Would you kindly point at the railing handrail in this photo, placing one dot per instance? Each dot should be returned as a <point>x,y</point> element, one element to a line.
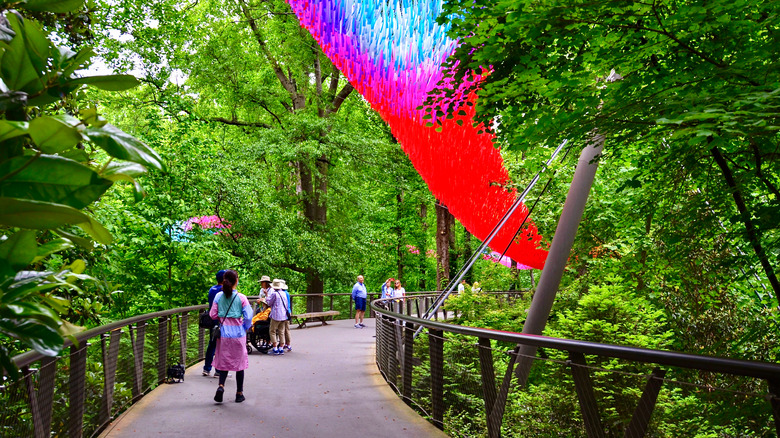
<point>32,356</point>
<point>763,370</point>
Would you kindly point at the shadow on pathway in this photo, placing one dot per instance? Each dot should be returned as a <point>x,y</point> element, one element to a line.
<point>328,386</point>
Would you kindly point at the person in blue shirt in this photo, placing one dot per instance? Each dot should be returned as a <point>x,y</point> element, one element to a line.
<point>212,347</point>
<point>360,295</point>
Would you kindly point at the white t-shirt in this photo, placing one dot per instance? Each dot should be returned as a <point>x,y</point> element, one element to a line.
<point>461,288</point>
<point>399,292</point>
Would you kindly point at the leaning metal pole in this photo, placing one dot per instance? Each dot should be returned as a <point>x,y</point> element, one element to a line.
<point>573,208</point>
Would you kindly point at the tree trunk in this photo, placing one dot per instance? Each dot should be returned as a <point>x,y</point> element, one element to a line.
<point>399,236</point>
<point>752,233</point>
<point>314,285</point>
<point>444,221</point>
<point>467,253</point>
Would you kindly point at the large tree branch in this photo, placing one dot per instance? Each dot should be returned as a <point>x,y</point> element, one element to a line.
<point>289,266</point>
<point>234,122</point>
<point>339,99</point>
<point>752,233</point>
<point>286,82</point>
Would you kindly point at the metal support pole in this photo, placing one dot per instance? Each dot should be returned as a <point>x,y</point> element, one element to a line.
<point>560,248</point>
<point>436,351</point>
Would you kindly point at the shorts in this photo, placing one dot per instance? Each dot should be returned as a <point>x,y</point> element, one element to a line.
<point>360,304</point>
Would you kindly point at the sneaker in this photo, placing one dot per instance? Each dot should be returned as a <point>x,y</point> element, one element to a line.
<point>240,398</point>
<point>206,373</point>
<point>219,394</point>
<point>358,326</point>
<point>276,352</point>
<point>281,352</point>
<point>361,325</point>
<point>288,348</point>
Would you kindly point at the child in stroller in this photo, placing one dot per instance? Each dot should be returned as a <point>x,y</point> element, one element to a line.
<point>258,335</point>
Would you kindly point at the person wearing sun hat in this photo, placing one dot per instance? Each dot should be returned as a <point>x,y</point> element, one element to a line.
<point>277,300</point>
<point>287,339</point>
<point>265,289</point>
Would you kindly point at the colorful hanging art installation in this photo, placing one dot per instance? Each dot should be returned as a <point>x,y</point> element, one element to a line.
<point>392,52</point>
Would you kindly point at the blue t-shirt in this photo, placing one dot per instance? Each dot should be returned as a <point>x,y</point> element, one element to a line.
<point>217,288</point>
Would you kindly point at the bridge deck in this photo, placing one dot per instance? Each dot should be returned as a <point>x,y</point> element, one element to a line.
<point>328,386</point>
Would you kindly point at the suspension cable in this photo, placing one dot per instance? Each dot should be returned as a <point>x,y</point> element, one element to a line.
<point>451,286</point>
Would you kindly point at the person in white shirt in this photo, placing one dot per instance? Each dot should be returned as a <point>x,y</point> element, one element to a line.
<point>400,292</point>
<point>462,286</point>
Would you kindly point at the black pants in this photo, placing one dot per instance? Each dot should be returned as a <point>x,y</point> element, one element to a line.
<point>239,379</point>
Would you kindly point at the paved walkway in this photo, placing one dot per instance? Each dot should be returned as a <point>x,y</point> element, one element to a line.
<point>328,386</point>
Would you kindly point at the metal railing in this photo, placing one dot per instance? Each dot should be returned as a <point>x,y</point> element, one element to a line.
<point>109,368</point>
<point>439,379</point>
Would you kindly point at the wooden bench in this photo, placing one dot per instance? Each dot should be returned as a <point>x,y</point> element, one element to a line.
<point>303,318</point>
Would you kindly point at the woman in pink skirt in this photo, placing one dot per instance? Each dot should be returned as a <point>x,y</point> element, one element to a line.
<point>235,317</point>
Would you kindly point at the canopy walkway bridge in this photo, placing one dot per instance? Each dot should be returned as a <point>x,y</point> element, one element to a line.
<point>341,382</point>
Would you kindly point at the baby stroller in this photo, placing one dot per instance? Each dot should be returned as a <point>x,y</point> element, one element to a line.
<point>259,336</point>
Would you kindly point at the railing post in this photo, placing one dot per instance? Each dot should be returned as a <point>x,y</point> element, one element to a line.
<point>774,400</point>
<point>488,385</point>
<point>77,383</point>
<point>162,349</point>
<point>436,351</point>
<point>41,399</point>
<point>408,363</point>
<point>110,356</point>
<point>637,428</point>
<point>584,386</point>
<point>137,339</point>
<point>184,320</point>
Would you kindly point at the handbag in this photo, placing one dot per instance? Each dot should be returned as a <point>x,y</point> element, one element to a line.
<point>205,320</point>
<point>218,334</point>
<point>286,311</point>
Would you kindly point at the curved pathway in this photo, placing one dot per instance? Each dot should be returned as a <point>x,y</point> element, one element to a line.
<point>328,386</point>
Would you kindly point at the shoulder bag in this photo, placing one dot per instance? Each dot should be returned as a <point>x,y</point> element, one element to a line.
<point>218,334</point>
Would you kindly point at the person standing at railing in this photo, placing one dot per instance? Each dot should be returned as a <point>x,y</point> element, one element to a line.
<point>235,316</point>
<point>279,305</point>
<point>212,339</point>
<point>387,289</point>
<point>399,293</point>
<point>359,295</point>
<point>462,286</point>
<point>287,338</point>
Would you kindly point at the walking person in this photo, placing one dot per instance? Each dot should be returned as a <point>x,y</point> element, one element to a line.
<point>235,317</point>
<point>278,302</point>
<point>287,338</point>
<point>360,295</point>
<point>213,291</point>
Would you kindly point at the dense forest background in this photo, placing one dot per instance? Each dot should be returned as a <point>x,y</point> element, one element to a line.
<point>247,120</point>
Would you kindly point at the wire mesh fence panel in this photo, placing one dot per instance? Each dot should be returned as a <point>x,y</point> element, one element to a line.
<point>193,338</point>
<point>93,388</point>
<point>125,372</point>
<point>15,417</point>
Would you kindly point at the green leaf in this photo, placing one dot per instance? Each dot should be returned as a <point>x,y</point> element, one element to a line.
<point>38,215</point>
<point>122,170</point>
<point>56,6</point>
<point>119,144</point>
<point>20,249</point>
<point>11,129</point>
<point>80,241</point>
<point>52,247</point>
<point>108,82</point>
<point>17,68</point>
<point>54,134</point>
<point>43,339</point>
<point>51,178</point>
